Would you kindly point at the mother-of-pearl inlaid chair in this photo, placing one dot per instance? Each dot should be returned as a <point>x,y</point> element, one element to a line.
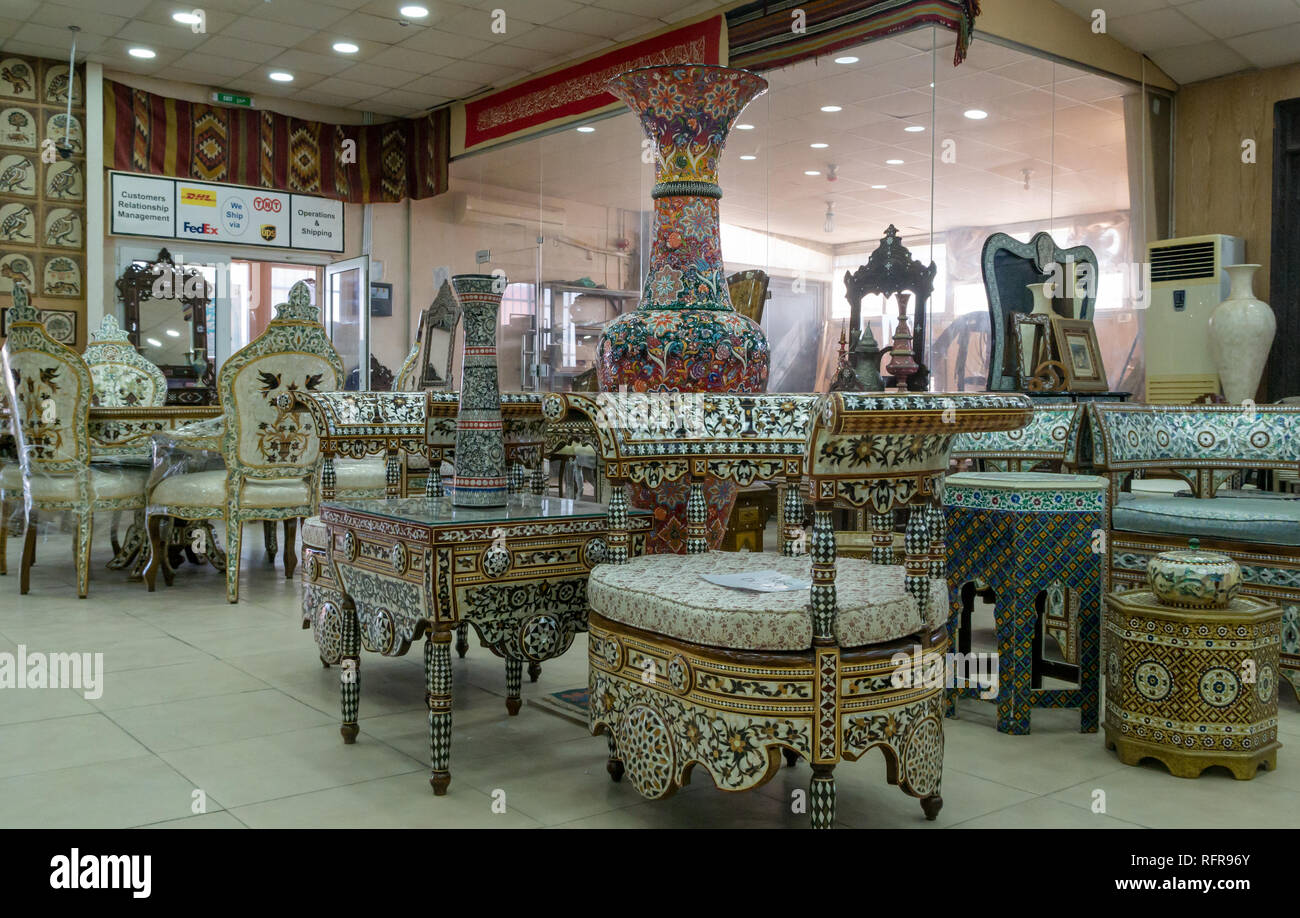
<point>50,390</point>
<point>122,378</point>
<point>269,443</point>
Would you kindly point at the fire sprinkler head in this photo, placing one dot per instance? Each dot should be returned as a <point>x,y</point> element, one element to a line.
<point>830,172</point>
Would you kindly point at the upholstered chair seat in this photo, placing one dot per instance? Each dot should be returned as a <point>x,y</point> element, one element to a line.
<point>360,478</point>
<point>665,594</point>
<point>105,484</point>
<point>207,489</point>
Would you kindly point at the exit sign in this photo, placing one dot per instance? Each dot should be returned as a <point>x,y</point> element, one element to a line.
<point>232,98</point>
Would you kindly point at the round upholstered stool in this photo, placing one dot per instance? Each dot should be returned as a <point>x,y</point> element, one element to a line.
<point>1021,533</point>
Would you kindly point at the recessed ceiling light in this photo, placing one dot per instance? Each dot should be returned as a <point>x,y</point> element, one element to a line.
<point>914,129</point>
<point>744,127</point>
<point>586,129</point>
<point>154,341</point>
<point>811,172</point>
<point>748,156</point>
<point>830,108</point>
<point>142,53</point>
<point>893,162</point>
<point>975,114</point>
<point>345,47</point>
<point>848,59</point>
<point>413,12</point>
<point>173,333</point>
<point>877,187</point>
<point>280,76</point>
<point>819,146</point>
<point>187,18</point>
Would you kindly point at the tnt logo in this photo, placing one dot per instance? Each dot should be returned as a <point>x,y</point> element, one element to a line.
<point>200,229</point>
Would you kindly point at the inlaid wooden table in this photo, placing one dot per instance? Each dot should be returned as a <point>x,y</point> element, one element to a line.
<point>124,436</point>
<point>417,567</point>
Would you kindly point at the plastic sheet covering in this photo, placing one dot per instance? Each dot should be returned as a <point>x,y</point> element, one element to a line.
<point>192,448</point>
<point>50,486</point>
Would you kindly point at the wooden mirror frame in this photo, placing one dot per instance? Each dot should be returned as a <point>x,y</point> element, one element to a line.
<point>443,315</point>
<point>185,383</point>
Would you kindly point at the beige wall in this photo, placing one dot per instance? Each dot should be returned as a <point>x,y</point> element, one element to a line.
<point>1214,191</point>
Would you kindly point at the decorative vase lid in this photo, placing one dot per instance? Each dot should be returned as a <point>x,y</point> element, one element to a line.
<point>1194,578</point>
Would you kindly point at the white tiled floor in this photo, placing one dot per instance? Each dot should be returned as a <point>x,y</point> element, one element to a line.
<point>232,701</point>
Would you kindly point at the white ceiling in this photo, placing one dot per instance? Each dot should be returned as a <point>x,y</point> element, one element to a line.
<point>1065,125</point>
<point>400,69</point>
<point>1198,39</point>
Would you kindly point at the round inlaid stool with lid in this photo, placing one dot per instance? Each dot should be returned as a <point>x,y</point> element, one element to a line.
<point>1191,668</point>
<point>1019,532</point>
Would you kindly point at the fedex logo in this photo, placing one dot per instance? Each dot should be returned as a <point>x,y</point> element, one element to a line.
<point>202,229</point>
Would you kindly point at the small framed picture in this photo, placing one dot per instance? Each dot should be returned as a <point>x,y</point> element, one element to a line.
<point>1032,335</point>
<point>381,299</point>
<point>1076,342</point>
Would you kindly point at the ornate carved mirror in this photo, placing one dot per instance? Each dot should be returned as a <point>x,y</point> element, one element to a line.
<point>1009,266</point>
<point>437,337</point>
<point>165,310</point>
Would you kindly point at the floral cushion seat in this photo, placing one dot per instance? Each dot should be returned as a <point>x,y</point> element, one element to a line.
<point>314,533</point>
<point>105,484</point>
<point>1250,519</point>
<point>665,594</point>
<point>208,489</point>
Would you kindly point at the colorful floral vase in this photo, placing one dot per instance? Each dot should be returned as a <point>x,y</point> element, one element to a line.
<point>685,335</point>
<point>480,479</point>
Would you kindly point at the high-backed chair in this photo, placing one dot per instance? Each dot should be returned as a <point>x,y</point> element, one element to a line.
<point>685,673</point>
<point>122,378</point>
<point>269,443</point>
<point>50,391</point>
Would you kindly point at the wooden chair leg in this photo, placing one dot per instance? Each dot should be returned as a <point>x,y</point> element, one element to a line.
<point>29,555</point>
<point>821,796</point>
<point>85,532</point>
<point>234,545</point>
<point>290,555</point>
<point>269,540</point>
<point>157,551</point>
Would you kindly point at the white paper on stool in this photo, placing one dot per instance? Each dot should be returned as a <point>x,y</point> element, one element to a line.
<point>768,581</point>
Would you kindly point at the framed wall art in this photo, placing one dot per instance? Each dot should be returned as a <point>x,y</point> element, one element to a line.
<point>1076,343</point>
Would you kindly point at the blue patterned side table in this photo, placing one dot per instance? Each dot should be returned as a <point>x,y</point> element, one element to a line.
<point>1019,532</point>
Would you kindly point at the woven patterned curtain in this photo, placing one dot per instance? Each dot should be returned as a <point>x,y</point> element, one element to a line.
<point>144,132</point>
<point>764,36</point>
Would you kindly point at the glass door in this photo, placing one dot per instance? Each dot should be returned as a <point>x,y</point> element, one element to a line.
<point>347,317</point>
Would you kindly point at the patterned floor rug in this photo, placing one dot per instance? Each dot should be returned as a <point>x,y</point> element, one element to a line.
<point>570,704</point>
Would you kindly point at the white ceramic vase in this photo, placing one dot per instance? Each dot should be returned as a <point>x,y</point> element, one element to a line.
<point>1241,332</point>
<point>1042,307</point>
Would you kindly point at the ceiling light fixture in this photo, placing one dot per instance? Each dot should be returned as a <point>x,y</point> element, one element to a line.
<point>345,47</point>
<point>173,333</point>
<point>831,108</point>
<point>893,162</point>
<point>829,225</point>
<point>154,341</point>
<point>878,187</point>
<point>819,146</point>
<point>186,18</point>
<point>281,76</point>
<point>748,156</point>
<point>811,172</point>
<point>975,114</point>
<point>914,129</point>
<point>586,129</point>
<point>744,127</point>
<point>143,53</point>
<point>413,12</point>
<point>848,59</point>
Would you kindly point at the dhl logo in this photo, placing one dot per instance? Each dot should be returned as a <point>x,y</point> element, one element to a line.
<point>199,197</point>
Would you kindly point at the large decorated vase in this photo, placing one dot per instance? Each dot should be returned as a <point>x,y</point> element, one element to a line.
<point>685,335</point>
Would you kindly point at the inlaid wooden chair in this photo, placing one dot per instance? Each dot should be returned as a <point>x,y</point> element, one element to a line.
<point>271,451</point>
<point>122,378</point>
<point>685,673</point>
<point>50,390</point>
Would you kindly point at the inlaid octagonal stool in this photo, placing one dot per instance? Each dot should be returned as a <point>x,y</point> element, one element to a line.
<point>1019,532</point>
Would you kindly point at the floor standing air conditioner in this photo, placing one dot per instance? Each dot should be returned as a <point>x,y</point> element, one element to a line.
<point>1187,282</point>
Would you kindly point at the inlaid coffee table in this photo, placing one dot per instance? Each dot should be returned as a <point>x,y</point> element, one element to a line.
<point>417,567</point>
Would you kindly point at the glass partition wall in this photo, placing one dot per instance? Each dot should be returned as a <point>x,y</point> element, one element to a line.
<point>836,151</point>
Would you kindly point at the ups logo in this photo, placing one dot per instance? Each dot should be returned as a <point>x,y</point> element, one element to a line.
<point>268,232</point>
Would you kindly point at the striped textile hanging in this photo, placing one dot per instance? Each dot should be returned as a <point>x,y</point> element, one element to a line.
<point>145,132</point>
<point>763,35</point>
